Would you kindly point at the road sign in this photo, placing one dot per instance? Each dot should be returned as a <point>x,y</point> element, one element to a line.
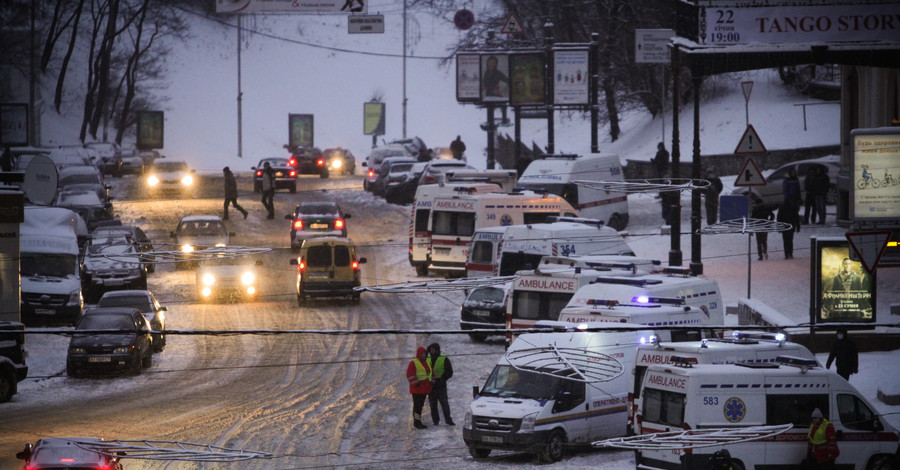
<point>750,143</point>
<point>513,25</point>
<point>733,207</point>
<point>464,19</point>
<point>357,24</point>
<point>868,247</point>
<point>651,45</point>
<point>750,175</point>
<point>747,87</point>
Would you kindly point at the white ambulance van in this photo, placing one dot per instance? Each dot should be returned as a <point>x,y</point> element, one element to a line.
<point>419,233</point>
<point>551,391</point>
<point>733,396</point>
<point>662,312</point>
<point>506,179</point>
<point>558,173</point>
<point>455,218</point>
<point>520,245</point>
<point>740,346</point>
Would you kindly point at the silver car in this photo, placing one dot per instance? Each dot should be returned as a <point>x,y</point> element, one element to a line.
<point>771,194</point>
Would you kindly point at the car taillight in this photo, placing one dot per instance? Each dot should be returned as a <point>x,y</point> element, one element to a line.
<point>301,265</point>
<point>339,224</point>
<point>292,174</point>
<point>298,225</point>
<point>320,162</point>
<point>292,162</point>
<point>258,173</point>
<point>371,173</point>
<point>430,179</point>
<point>355,264</point>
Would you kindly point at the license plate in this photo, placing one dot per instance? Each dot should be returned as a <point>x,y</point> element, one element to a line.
<point>481,313</point>
<point>442,251</point>
<point>318,226</point>
<point>492,439</point>
<point>279,174</point>
<point>114,282</point>
<point>44,311</point>
<point>100,359</point>
<point>318,275</point>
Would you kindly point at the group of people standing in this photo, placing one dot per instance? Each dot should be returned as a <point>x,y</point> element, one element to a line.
<point>428,374</point>
<point>670,198</point>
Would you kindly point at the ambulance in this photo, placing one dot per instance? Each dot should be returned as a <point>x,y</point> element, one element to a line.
<point>501,251</point>
<point>551,391</point>
<point>558,174</point>
<point>455,218</point>
<point>739,346</point>
<point>685,396</point>
<point>660,313</point>
<point>419,233</point>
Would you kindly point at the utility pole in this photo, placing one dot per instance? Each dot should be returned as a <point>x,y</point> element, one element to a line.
<point>404,69</point>
<point>240,94</point>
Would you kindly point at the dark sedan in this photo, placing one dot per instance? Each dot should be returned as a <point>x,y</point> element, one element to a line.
<point>285,174</point>
<point>340,161</point>
<point>316,219</point>
<point>483,309</point>
<point>74,453</point>
<point>146,302</point>
<point>126,348</point>
<point>309,161</point>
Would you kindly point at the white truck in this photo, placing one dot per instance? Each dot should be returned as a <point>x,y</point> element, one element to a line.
<point>50,265</point>
<point>558,174</point>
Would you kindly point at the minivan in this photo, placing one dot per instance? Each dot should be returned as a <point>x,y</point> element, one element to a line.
<point>327,267</point>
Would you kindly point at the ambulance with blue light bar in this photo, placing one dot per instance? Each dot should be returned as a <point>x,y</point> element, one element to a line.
<point>654,312</point>
<point>685,396</point>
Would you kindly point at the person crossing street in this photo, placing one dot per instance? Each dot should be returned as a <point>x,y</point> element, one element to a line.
<point>231,193</point>
<point>268,190</point>
<point>441,371</point>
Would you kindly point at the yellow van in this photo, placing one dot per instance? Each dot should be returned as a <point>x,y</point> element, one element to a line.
<point>327,267</point>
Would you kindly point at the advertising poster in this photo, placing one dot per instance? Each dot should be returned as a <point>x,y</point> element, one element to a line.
<point>11,215</point>
<point>300,128</point>
<point>495,78</point>
<point>150,130</point>
<point>468,77</point>
<point>875,190</point>
<point>13,124</point>
<point>570,77</point>
<point>846,291</point>
<point>373,118</point>
<point>318,7</point>
<point>527,77</point>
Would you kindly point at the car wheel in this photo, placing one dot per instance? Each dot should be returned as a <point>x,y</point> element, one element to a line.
<point>477,338</point>
<point>479,453</point>
<point>146,362</point>
<point>355,300</point>
<point>135,366</point>
<point>831,197</point>
<point>556,447</point>
<point>7,386</point>
<point>882,462</point>
<point>421,269</point>
<point>294,188</point>
<point>324,174</point>
<point>365,184</point>
<point>159,344</point>
<point>615,222</point>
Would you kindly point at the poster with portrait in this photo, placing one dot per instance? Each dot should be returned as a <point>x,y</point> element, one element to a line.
<point>300,130</point>
<point>495,78</point>
<point>527,78</point>
<point>150,130</point>
<point>468,77</point>
<point>846,292</point>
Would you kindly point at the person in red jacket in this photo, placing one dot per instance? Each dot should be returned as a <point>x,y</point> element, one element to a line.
<point>418,372</point>
<point>822,448</point>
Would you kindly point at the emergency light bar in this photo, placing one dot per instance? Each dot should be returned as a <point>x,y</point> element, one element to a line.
<point>678,270</point>
<point>780,337</point>
<point>645,299</point>
<point>602,302</point>
<point>627,281</point>
<point>796,361</point>
<point>684,361</point>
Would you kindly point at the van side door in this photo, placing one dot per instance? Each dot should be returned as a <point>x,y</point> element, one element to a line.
<point>571,409</point>
<point>861,434</point>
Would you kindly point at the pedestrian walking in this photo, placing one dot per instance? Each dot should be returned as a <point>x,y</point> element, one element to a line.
<point>268,190</point>
<point>231,193</point>
<point>661,160</point>
<point>809,204</point>
<point>844,354</point>
<point>418,373</point>
<point>790,188</point>
<point>7,160</point>
<point>441,372</point>
<point>821,447</point>
<point>712,197</point>
<point>761,212</point>
<point>788,214</point>
<point>457,148</point>
<point>821,184</point>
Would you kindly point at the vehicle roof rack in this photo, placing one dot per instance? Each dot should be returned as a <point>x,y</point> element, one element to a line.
<point>568,156</point>
<point>627,281</point>
<point>802,363</point>
<point>678,271</point>
<point>757,365</point>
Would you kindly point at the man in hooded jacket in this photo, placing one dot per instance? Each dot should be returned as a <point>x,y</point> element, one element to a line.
<point>418,373</point>
<point>441,371</point>
<point>844,351</point>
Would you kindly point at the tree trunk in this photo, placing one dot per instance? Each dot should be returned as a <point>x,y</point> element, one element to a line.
<point>61,78</point>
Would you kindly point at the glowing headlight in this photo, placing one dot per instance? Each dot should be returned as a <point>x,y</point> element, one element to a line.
<point>248,278</point>
<point>187,180</point>
<point>187,248</point>
<point>206,292</point>
<point>152,180</point>
<point>220,245</point>
<point>251,290</point>
<point>77,350</point>
<point>208,279</point>
<point>336,164</point>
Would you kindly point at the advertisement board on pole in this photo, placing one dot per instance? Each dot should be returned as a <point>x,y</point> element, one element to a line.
<point>150,130</point>
<point>300,130</point>
<point>875,166</point>
<point>319,7</point>
<point>845,292</point>
<point>570,76</point>
<point>468,77</point>
<point>373,118</point>
<point>13,124</point>
<point>495,78</point>
<point>527,78</point>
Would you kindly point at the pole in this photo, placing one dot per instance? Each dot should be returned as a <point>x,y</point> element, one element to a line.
<point>594,93</point>
<point>240,94</point>
<point>675,240</point>
<point>548,53</point>
<point>749,258</point>
<point>696,249</point>
<point>517,151</point>
<point>404,69</point>
<point>32,78</point>
<point>662,99</point>
<point>490,136</point>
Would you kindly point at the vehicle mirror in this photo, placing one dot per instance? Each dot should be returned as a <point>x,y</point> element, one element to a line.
<point>474,391</point>
<point>346,216</point>
<point>231,234</point>
<point>252,167</point>
<point>293,261</point>
<point>164,309</point>
<point>876,425</point>
<point>364,164</point>
<point>172,235</point>
<point>362,260</point>
<point>289,216</point>
<point>259,262</point>
<point>26,454</point>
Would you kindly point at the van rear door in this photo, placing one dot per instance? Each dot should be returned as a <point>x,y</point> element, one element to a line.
<point>319,263</point>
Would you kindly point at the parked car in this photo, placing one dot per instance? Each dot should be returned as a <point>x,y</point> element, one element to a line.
<point>285,174</point>
<point>373,161</point>
<point>149,157</point>
<point>127,349</point>
<point>132,163</point>
<point>316,219</point>
<point>199,232</point>
<point>144,301</point>
<point>112,262</point>
<point>340,161</point>
<point>309,161</point>
<point>403,189</point>
<point>170,176</point>
<point>13,368</point>
<point>59,453</point>
<point>110,157</point>
<point>327,267</point>
<point>483,309</point>
<point>391,169</point>
<point>69,156</point>
<point>84,177</point>
<point>87,204</point>
<point>435,170</point>
<point>133,234</point>
<point>771,194</point>
<point>229,277</point>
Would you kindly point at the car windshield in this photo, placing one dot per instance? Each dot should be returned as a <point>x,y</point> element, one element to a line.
<point>106,322</point>
<point>487,295</point>
<point>53,455</point>
<point>170,166</point>
<point>401,168</point>
<point>507,381</point>
<point>44,264</point>
<point>78,198</point>
<point>140,302</point>
<point>273,162</point>
<point>202,227</point>
<point>318,209</point>
<point>110,246</point>
<point>79,178</point>
<point>229,261</point>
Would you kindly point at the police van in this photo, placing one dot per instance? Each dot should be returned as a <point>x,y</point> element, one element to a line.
<point>419,232</point>
<point>685,396</point>
<point>558,174</point>
<point>553,390</point>
<point>501,251</point>
<point>739,346</point>
<point>455,218</point>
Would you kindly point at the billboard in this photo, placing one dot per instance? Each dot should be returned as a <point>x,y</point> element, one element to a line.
<point>875,165</point>
<point>300,130</point>
<point>150,130</point>
<point>845,292</point>
<point>495,78</point>
<point>13,124</point>
<point>468,77</point>
<point>527,78</point>
<point>319,7</point>
<point>373,118</point>
<point>570,77</point>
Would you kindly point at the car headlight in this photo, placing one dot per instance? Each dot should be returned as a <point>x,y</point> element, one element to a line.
<point>208,279</point>
<point>336,164</point>
<point>75,297</point>
<point>75,350</point>
<point>220,245</point>
<point>247,278</point>
<point>528,423</point>
<point>467,421</point>
<point>187,248</point>
<point>206,292</point>
<point>152,180</point>
<point>121,350</point>
<point>187,180</point>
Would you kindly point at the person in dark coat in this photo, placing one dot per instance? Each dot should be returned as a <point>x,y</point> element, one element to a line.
<point>441,372</point>
<point>458,148</point>
<point>809,205</point>
<point>820,186</point>
<point>793,199</point>
<point>787,213</point>
<point>7,161</point>
<point>712,197</point>
<point>761,212</point>
<point>661,160</point>
<point>231,193</point>
<point>844,352</point>
<point>268,190</point>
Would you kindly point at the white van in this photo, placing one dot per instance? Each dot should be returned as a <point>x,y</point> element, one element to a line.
<point>535,402</point>
<point>507,179</point>
<point>734,396</point>
<point>661,312</point>
<point>454,220</point>
<point>740,346</point>
<point>419,231</point>
<point>558,173</point>
<point>504,250</point>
